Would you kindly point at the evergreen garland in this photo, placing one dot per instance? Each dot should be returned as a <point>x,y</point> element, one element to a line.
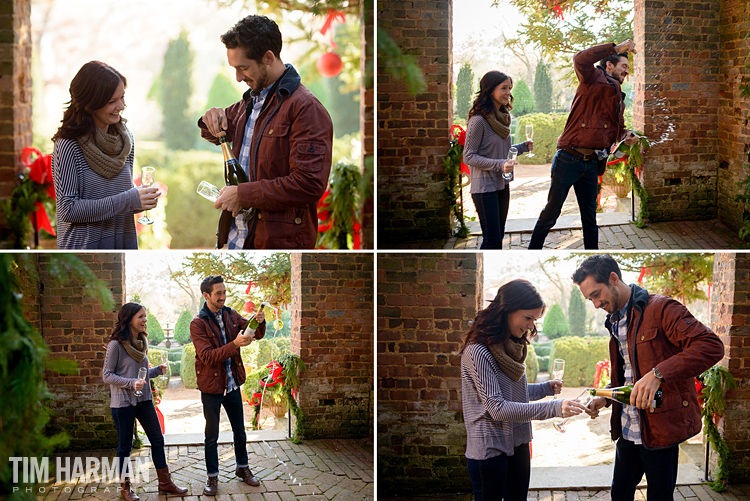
<point>630,166</point>
<point>453,186</point>
<point>716,381</point>
<point>744,195</point>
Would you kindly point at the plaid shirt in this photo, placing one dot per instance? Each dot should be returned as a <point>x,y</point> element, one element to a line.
<point>238,231</point>
<point>231,384</point>
<point>631,427</point>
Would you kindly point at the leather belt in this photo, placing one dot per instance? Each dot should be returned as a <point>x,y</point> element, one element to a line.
<point>583,156</point>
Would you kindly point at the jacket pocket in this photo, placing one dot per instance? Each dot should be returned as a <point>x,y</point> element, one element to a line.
<point>278,129</point>
<point>648,346</point>
<point>310,155</point>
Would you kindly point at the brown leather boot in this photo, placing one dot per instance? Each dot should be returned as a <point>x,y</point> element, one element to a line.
<point>212,486</point>
<point>247,476</point>
<point>126,492</point>
<point>166,486</point>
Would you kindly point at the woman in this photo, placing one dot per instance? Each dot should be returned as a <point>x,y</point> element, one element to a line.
<point>126,353</point>
<point>486,154</point>
<point>495,394</point>
<point>92,165</point>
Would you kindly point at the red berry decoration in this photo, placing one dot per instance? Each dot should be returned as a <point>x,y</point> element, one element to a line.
<point>329,64</point>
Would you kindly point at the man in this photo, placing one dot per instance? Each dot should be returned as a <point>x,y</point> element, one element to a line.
<point>654,342</point>
<point>595,122</point>
<point>282,136</point>
<point>220,373</point>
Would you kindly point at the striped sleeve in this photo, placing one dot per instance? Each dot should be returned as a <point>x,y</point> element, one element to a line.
<point>110,365</point>
<point>482,373</point>
<point>477,127</point>
<point>538,391</point>
<point>67,160</point>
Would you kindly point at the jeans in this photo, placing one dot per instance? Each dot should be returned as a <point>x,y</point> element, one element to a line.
<point>124,418</point>
<point>492,209</point>
<point>569,170</point>
<point>632,461</point>
<point>501,477</point>
<point>232,403</point>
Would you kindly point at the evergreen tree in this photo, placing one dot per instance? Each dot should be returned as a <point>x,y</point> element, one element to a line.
<point>555,323</point>
<point>464,90</point>
<point>523,101</point>
<point>543,88</point>
<point>223,92</point>
<point>176,89</point>
<point>182,328</point>
<point>577,312</point>
<point>154,330</point>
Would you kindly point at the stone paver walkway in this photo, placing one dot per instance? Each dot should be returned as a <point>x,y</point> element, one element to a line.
<point>687,235</point>
<point>313,470</point>
<point>682,493</point>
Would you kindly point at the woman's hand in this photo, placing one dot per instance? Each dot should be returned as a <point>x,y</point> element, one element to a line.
<point>573,408</point>
<point>138,385</point>
<point>556,385</point>
<point>530,145</point>
<point>149,196</point>
<point>508,166</point>
<point>163,369</point>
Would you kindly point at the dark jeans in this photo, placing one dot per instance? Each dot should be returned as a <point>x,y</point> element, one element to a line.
<point>232,403</point>
<point>502,477</point>
<point>492,209</point>
<point>632,461</point>
<point>124,418</point>
<point>569,170</point>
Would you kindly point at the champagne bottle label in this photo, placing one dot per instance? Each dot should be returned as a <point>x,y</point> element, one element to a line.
<point>622,395</point>
<point>252,324</point>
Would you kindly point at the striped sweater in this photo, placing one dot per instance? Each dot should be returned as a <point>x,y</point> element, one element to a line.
<point>93,212</point>
<point>485,152</point>
<point>497,412</point>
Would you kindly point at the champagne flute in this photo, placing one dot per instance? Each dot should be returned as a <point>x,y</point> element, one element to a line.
<point>529,136</point>
<point>164,360</point>
<point>147,179</point>
<point>584,398</point>
<point>512,155</point>
<point>208,191</point>
<point>558,369</point>
<point>141,377</point>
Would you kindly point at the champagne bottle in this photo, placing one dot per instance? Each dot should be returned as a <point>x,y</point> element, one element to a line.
<point>620,149</point>
<point>233,171</point>
<point>622,395</point>
<point>252,324</point>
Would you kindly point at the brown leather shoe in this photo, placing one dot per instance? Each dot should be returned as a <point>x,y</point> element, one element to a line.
<point>212,486</point>
<point>247,476</point>
<point>126,492</point>
<point>166,486</point>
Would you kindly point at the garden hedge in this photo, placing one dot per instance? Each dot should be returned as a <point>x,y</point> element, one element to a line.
<point>547,128</point>
<point>532,369</point>
<point>187,370</point>
<point>581,355</point>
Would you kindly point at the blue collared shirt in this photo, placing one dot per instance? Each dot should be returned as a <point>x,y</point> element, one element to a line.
<point>231,383</point>
<point>629,419</point>
<point>238,231</point>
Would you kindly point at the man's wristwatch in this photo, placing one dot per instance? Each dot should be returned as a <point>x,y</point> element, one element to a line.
<point>658,375</point>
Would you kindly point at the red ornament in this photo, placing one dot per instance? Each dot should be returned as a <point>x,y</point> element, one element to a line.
<point>329,64</point>
<point>249,307</point>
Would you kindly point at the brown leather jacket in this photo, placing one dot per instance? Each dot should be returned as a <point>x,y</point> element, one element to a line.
<point>290,161</point>
<point>662,333</point>
<point>596,116</point>
<point>211,353</point>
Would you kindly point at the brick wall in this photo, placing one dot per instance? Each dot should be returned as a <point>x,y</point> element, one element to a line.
<point>413,129</point>
<point>677,75</point>
<point>332,331</point>
<point>76,327</point>
<point>425,302</point>
<point>734,131</point>
<point>730,319</point>
<point>15,90</point>
<point>367,115</point>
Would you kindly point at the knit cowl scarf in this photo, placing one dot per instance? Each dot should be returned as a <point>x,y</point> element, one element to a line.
<point>106,153</point>
<point>510,356</point>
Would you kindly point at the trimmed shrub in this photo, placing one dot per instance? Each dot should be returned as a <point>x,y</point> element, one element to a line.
<point>543,361</point>
<point>155,332</point>
<point>174,367</point>
<point>464,90</point>
<point>187,371</point>
<point>182,328</point>
<point>543,348</point>
<point>523,101</point>
<point>532,368</point>
<point>555,323</point>
<point>581,355</point>
<point>577,313</point>
<point>543,88</point>
<point>175,354</point>
<point>547,128</point>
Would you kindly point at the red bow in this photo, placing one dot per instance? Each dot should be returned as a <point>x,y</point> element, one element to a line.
<point>275,375</point>
<point>459,135</point>
<point>558,12</point>
<point>250,285</point>
<point>256,399</point>
<point>333,15</point>
<point>623,159</point>
<point>40,171</point>
<point>644,271</point>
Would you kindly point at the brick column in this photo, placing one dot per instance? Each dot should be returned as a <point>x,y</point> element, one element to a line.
<point>367,116</point>
<point>734,130</point>
<point>730,319</point>
<point>413,129</point>
<point>332,332</point>
<point>677,82</point>
<point>15,91</point>
<point>425,302</point>
<point>76,327</point>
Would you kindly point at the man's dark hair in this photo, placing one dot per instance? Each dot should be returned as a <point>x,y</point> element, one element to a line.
<point>207,285</point>
<point>256,35</point>
<point>614,59</point>
<point>600,266</point>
